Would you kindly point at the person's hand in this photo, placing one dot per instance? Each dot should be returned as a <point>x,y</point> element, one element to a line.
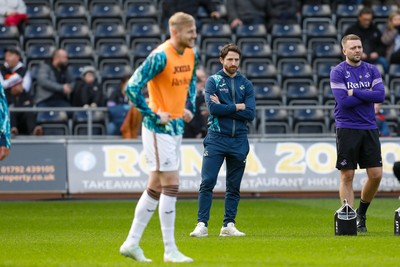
<point>11,13</point>
<point>164,117</point>
<point>350,92</point>
<point>4,151</point>
<point>373,55</point>
<point>235,23</point>
<point>67,89</point>
<point>187,115</point>
<point>240,106</point>
<point>214,98</point>
<point>215,15</point>
<point>17,89</point>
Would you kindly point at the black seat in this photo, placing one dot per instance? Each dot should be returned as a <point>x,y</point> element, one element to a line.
<point>309,121</point>
<point>267,92</point>
<point>53,122</point>
<point>73,29</point>
<point>104,10</point>
<point>41,31</point>
<point>325,48</point>
<point>39,49</point>
<point>289,48</point>
<point>79,50</point>
<point>115,69</point>
<point>316,11</point>
<point>322,67</point>
<point>70,10</point>
<point>141,9</point>
<point>108,29</point>
<point>256,68</point>
<point>214,30</point>
<point>276,121</point>
<point>38,11</point>
<point>383,11</point>
<point>318,28</point>
<point>249,31</point>
<point>107,49</point>
<point>292,31</point>
<point>294,68</point>
<point>301,91</point>
<point>255,49</point>
<point>143,30</point>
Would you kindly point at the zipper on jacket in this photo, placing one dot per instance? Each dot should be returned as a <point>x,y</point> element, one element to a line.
<point>234,102</point>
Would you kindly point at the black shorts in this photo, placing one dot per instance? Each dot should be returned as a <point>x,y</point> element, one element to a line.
<point>360,147</point>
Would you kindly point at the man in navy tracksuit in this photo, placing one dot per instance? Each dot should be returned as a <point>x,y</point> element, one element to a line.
<point>231,104</point>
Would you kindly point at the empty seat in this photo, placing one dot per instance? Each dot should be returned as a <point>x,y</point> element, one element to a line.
<point>108,29</point>
<point>112,49</point>
<point>81,123</point>
<point>299,91</point>
<point>294,68</point>
<point>251,31</point>
<point>276,121</point>
<point>256,68</point>
<point>70,10</point>
<point>309,121</point>
<point>267,92</point>
<point>318,28</point>
<point>39,31</point>
<point>115,69</point>
<point>289,48</point>
<point>53,122</point>
<point>38,11</point>
<point>325,48</point>
<point>383,11</point>
<point>79,50</point>
<point>141,10</point>
<point>105,10</point>
<point>322,68</point>
<point>292,31</point>
<point>39,49</point>
<point>215,30</point>
<point>316,11</point>
<point>144,30</point>
<point>73,29</point>
<point>256,49</point>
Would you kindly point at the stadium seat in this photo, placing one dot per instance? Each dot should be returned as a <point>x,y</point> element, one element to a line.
<point>213,65</point>
<point>141,10</point>
<point>251,31</point>
<point>214,30</point>
<point>294,68</point>
<point>309,121</point>
<point>114,68</point>
<point>39,49</point>
<point>38,11</point>
<point>289,48</point>
<point>267,92</point>
<point>73,29</point>
<point>347,11</point>
<point>143,30</point>
<point>70,10</point>
<point>9,33</point>
<point>53,122</point>
<point>327,95</point>
<point>286,31</point>
<point>383,11</point>
<point>276,121</point>
<point>115,49</point>
<point>80,123</point>
<point>301,92</point>
<point>41,31</point>
<point>259,69</point>
<point>322,68</point>
<point>324,48</point>
<point>80,50</point>
<point>108,29</point>
<point>105,11</point>
<point>318,28</point>
<point>316,11</point>
<point>255,49</point>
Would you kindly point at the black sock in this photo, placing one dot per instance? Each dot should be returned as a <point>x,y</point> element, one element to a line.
<point>363,207</point>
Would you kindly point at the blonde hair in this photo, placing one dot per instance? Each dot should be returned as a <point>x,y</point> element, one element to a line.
<point>180,19</point>
<point>349,37</point>
<point>390,19</point>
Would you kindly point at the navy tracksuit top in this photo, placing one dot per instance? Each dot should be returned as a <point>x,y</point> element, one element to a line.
<point>223,118</point>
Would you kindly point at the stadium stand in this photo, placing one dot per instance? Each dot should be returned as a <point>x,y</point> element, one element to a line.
<point>289,64</point>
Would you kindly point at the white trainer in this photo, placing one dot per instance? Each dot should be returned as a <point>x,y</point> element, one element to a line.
<point>133,252</point>
<point>176,256</point>
<point>200,230</point>
<point>230,230</point>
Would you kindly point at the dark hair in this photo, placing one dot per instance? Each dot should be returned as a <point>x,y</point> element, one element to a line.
<point>366,10</point>
<point>227,48</point>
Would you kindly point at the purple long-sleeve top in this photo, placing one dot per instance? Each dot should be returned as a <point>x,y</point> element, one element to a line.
<point>356,111</point>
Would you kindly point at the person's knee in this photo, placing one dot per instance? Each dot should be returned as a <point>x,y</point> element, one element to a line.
<point>170,190</point>
<point>153,194</point>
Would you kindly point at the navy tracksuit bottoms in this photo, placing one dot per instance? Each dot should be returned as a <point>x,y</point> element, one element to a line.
<point>218,148</point>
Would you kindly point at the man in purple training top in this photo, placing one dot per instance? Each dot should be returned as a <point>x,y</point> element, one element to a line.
<point>357,85</point>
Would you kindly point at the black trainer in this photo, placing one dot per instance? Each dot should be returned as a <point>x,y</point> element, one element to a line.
<point>361,226</point>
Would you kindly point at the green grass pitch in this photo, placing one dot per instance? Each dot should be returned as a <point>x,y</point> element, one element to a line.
<point>280,232</point>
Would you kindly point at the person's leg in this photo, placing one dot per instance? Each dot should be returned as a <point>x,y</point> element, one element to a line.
<point>212,162</point>
<point>235,166</point>
<point>346,186</point>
